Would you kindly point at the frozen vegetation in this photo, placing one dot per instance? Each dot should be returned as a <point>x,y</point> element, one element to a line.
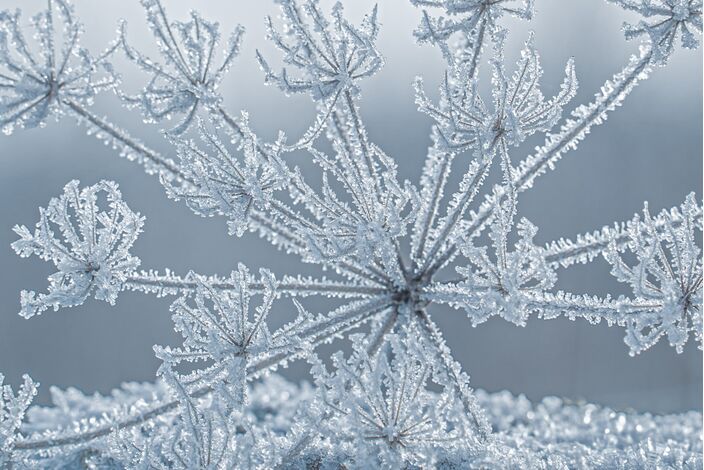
<point>398,399</point>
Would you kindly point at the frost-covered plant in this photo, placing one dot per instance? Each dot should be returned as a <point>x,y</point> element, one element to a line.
<point>13,407</point>
<point>61,75</point>
<point>399,399</point>
<point>187,78</point>
<point>93,258</point>
<point>383,405</point>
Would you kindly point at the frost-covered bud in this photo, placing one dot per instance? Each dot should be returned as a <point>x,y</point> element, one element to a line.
<point>667,277</point>
<point>187,77</point>
<point>330,55</point>
<point>665,21</point>
<point>88,245</point>
<point>33,86</point>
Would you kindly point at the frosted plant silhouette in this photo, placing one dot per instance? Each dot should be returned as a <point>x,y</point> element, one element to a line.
<point>399,399</point>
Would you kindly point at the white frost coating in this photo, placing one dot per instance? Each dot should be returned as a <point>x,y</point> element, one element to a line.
<point>393,250</point>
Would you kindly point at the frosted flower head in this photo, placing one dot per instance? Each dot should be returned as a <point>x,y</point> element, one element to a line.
<point>501,284</point>
<point>668,273</point>
<point>226,183</point>
<point>221,333</point>
<point>187,78</point>
<point>475,19</point>
<point>61,72</point>
<point>370,230</point>
<point>90,251</point>
<point>519,107</point>
<point>331,56</point>
<point>384,404</point>
<point>665,21</point>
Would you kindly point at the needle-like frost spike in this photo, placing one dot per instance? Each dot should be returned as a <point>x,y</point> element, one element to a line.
<point>88,245</point>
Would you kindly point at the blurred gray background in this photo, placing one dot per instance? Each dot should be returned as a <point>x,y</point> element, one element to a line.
<point>651,149</point>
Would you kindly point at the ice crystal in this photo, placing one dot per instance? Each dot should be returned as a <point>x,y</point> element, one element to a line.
<point>399,400</point>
